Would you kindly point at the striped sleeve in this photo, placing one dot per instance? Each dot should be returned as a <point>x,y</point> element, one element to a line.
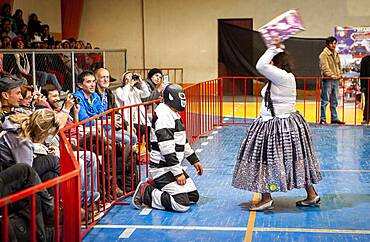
<point>164,131</point>
<point>190,154</point>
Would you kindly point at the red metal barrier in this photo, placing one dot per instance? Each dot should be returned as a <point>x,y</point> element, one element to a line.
<point>99,137</point>
<point>237,105</point>
<point>203,108</point>
<point>68,183</point>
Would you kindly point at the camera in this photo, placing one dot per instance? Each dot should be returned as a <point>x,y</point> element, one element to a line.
<point>135,77</point>
<point>74,99</point>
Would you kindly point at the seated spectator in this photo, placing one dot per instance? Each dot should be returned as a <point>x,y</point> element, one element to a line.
<point>63,109</point>
<point>155,85</point>
<point>25,104</point>
<point>23,139</point>
<point>18,21</point>
<point>17,178</point>
<point>18,64</point>
<point>7,27</point>
<point>90,102</point>
<point>65,44</point>
<point>46,36</point>
<point>23,32</point>
<point>34,25</point>
<point>10,95</point>
<point>68,109</point>
<point>6,12</point>
<point>42,63</point>
<point>108,101</point>
<point>72,43</point>
<point>7,42</point>
<point>131,92</point>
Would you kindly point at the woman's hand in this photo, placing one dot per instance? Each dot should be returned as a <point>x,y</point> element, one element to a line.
<point>276,41</point>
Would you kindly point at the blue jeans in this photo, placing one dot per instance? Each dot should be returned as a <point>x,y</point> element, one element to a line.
<point>43,77</point>
<point>90,161</point>
<point>329,88</point>
<point>126,138</point>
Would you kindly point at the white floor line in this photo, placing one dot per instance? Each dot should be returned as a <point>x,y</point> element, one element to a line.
<point>126,233</point>
<point>215,132</point>
<point>122,226</point>
<point>145,211</point>
<point>198,150</point>
<point>204,143</point>
<point>210,137</point>
<point>212,228</point>
<point>225,119</point>
<point>219,127</point>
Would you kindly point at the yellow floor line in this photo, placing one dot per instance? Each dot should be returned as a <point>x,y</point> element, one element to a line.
<point>345,171</point>
<point>252,218</point>
<point>302,230</point>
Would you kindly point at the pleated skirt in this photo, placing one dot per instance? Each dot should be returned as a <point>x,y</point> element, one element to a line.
<point>276,156</point>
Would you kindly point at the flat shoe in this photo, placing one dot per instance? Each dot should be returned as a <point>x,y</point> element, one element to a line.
<point>262,207</point>
<point>311,203</point>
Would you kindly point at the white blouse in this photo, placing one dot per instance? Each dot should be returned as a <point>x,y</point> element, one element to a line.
<point>283,86</point>
<point>129,95</point>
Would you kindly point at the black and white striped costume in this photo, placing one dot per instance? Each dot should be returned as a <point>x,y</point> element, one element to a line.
<point>169,148</point>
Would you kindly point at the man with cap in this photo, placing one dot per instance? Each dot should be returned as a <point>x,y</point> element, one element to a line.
<point>170,187</point>
<point>155,85</point>
<point>10,95</point>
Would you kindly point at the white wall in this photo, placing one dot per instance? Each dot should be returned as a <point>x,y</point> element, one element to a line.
<point>183,33</point>
<point>48,12</point>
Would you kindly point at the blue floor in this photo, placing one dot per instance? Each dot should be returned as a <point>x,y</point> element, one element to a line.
<point>222,215</point>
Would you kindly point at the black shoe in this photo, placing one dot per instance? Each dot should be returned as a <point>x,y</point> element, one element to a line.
<point>137,198</point>
<point>337,122</point>
<point>322,122</point>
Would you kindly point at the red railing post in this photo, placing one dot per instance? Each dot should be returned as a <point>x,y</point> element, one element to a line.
<point>221,95</point>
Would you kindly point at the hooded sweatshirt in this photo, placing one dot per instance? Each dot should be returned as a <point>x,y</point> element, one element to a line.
<point>13,149</point>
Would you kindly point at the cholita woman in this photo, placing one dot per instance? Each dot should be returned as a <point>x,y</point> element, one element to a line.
<point>277,154</point>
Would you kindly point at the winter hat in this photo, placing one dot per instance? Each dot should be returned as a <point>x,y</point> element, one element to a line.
<point>153,71</point>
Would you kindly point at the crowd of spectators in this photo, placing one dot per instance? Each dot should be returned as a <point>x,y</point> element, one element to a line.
<point>31,117</point>
<point>30,121</point>
<point>50,68</point>
<point>34,32</point>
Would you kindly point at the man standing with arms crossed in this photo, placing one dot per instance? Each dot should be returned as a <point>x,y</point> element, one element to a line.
<point>331,73</point>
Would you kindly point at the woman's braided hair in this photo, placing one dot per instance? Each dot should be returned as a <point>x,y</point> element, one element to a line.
<point>282,61</point>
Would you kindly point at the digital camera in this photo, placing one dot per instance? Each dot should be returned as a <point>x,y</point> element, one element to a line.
<point>75,99</point>
<point>135,77</point>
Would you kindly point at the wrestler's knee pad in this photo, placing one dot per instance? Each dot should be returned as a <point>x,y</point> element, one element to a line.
<point>181,202</point>
<point>193,196</point>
